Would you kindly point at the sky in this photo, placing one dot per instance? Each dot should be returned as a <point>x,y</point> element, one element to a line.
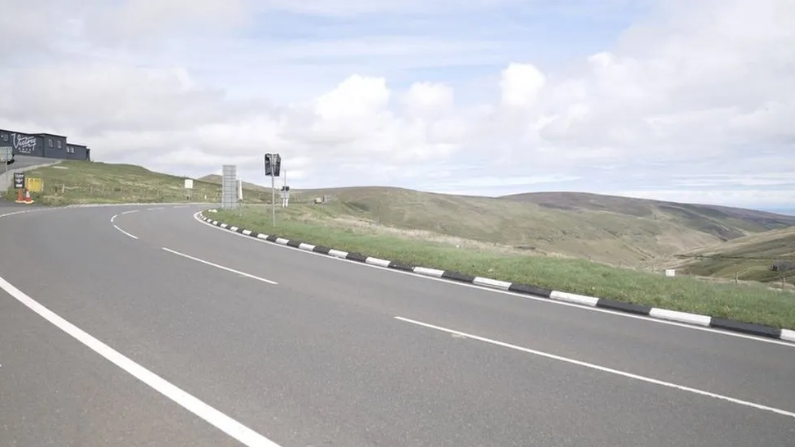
<point>666,99</point>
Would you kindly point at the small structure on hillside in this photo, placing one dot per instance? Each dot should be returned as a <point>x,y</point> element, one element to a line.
<point>783,266</point>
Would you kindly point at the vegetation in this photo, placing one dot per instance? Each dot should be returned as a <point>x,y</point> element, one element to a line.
<point>325,225</point>
<point>614,230</point>
<point>749,258</point>
<point>545,239</point>
<point>83,182</point>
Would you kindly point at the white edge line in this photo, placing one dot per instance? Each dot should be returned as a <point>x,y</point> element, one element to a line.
<point>219,420</point>
<point>128,234</point>
<point>417,272</point>
<point>684,317</point>
<point>247,275</point>
<point>602,368</point>
<point>130,212</point>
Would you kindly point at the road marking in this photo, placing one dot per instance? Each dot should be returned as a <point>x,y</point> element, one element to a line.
<point>128,234</point>
<point>113,218</point>
<point>601,368</point>
<point>219,266</point>
<point>154,209</point>
<point>219,420</point>
<point>516,295</point>
<point>130,212</point>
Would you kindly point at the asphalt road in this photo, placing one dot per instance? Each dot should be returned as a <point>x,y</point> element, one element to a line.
<point>311,351</point>
<point>25,161</point>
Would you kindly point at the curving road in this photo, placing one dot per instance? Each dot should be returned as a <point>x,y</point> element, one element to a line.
<point>144,326</point>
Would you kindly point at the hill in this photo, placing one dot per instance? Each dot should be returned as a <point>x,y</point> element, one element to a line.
<point>723,222</point>
<point>607,229</point>
<point>748,258</point>
<point>75,182</point>
<point>613,230</point>
<point>218,180</point>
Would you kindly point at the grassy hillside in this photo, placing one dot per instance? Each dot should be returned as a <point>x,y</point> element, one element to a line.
<point>723,222</point>
<point>74,182</point>
<point>333,225</point>
<point>615,230</point>
<point>217,179</point>
<point>747,258</point>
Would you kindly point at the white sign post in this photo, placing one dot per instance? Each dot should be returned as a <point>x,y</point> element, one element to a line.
<point>189,187</point>
<point>6,155</point>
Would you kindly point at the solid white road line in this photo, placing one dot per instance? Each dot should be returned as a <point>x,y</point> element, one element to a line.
<point>130,212</point>
<point>602,368</point>
<point>219,420</point>
<point>113,218</point>
<point>128,234</point>
<point>577,301</point>
<point>219,266</point>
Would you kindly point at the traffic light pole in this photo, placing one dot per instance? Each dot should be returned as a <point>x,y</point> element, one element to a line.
<point>273,197</point>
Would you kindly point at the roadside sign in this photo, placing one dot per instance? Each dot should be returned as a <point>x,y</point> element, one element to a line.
<point>19,180</point>
<point>188,183</point>
<point>6,154</point>
<point>34,184</point>
<point>273,165</point>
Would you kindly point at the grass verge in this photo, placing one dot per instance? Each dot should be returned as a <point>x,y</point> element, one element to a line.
<point>753,303</point>
<point>83,182</point>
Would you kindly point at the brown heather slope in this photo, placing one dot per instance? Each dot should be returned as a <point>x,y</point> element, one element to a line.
<point>613,230</point>
<point>749,258</point>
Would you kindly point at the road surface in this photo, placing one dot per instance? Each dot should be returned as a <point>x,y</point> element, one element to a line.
<point>157,329</point>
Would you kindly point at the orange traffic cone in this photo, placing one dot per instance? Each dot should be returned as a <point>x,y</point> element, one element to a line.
<point>20,196</point>
<point>28,198</point>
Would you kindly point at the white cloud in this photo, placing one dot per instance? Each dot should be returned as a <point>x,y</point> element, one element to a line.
<point>425,98</point>
<point>521,84</point>
<point>696,93</point>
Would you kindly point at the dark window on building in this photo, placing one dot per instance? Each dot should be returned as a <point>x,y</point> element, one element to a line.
<point>59,144</point>
<point>5,137</point>
<point>49,141</point>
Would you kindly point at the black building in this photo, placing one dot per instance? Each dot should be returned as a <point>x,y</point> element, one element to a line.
<point>43,145</point>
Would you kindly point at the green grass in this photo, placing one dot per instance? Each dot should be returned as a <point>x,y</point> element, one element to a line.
<point>749,257</point>
<point>751,303</point>
<point>83,182</point>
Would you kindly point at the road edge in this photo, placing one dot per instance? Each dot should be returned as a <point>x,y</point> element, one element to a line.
<point>526,289</point>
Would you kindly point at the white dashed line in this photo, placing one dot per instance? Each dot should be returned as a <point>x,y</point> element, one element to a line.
<point>602,368</point>
<point>128,234</point>
<point>247,275</point>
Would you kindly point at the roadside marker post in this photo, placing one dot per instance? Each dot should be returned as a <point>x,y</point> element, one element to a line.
<point>273,165</point>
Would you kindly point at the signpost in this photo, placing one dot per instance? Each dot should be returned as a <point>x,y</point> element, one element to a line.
<point>189,187</point>
<point>19,180</point>
<point>6,157</point>
<point>273,164</point>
